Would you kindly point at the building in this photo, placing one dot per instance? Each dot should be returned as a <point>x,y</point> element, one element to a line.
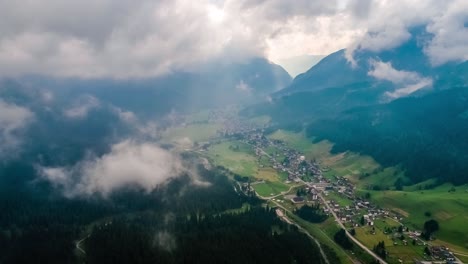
<point>297,200</point>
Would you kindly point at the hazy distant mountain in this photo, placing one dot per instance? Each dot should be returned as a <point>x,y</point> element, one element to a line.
<point>212,85</point>
<point>70,117</point>
<point>299,64</point>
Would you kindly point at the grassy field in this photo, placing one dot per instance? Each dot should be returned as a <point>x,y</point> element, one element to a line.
<point>359,169</point>
<point>193,132</point>
<point>448,208</point>
<point>260,120</point>
<point>397,251</point>
<point>239,161</point>
<point>318,231</point>
<point>198,117</point>
<point>387,222</point>
<point>240,158</point>
<point>299,142</point>
<point>267,174</point>
<point>343,201</point>
<point>270,188</point>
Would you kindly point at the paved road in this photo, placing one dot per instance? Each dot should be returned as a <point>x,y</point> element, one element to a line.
<point>334,215</point>
<point>351,236</point>
<point>78,245</point>
<point>372,253</point>
<point>274,196</point>
<point>287,220</point>
<point>337,219</point>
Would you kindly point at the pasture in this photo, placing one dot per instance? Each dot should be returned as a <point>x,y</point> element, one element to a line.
<point>235,156</point>
<point>192,132</point>
<point>270,188</point>
<point>394,246</point>
<point>448,208</point>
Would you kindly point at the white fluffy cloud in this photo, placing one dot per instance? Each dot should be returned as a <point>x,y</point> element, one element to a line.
<point>123,38</point>
<point>409,89</point>
<point>13,119</point>
<point>408,82</point>
<point>450,31</point>
<point>389,21</point>
<point>385,71</point>
<point>127,39</point>
<point>129,163</point>
<point>82,106</point>
<point>242,86</point>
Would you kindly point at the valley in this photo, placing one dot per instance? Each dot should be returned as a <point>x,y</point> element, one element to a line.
<point>222,131</point>
<point>287,170</point>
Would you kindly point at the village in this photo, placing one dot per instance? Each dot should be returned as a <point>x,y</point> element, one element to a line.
<point>335,195</point>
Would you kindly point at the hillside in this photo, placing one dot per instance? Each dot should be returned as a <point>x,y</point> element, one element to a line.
<point>393,105</point>
<point>213,85</point>
<point>426,135</point>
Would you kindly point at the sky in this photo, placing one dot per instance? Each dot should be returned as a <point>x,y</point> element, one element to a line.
<point>133,39</point>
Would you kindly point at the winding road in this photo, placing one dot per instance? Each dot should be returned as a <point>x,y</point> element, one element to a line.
<point>287,220</point>
<point>78,245</point>
<point>370,252</point>
<point>351,236</point>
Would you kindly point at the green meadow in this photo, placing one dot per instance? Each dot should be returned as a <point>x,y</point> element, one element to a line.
<point>193,132</point>
<point>397,250</point>
<point>234,155</point>
<point>450,209</point>
<point>299,142</point>
<point>270,188</point>
<point>240,158</point>
<point>361,170</point>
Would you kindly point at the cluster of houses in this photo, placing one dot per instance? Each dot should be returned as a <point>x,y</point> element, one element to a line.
<point>286,160</point>
<point>442,253</point>
<point>293,162</point>
<point>439,254</point>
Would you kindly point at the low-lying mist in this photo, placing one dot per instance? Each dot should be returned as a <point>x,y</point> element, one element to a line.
<point>144,165</point>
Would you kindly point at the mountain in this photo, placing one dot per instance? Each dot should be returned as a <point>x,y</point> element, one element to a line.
<point>336,70</point>
<point>335,84</point>
<point>427,135</point>
<point>332,71</point>
<point>215,84</point>
<point>298,64</point>
<point>393,105</point>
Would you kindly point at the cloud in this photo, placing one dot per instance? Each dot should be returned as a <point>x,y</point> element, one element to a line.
<point>128,164</point>
<point>409,89</point>
<point>243,87</point>
<point>84,105</point>
<point>409,82</point>
<point>165,240</point>
<point>450,42</point>
<point>128,39</point>
<point>125,116</point>
<point>388,23</point>
<point>13,120</point>
<point>385,71</point>
<point>120,39</point>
